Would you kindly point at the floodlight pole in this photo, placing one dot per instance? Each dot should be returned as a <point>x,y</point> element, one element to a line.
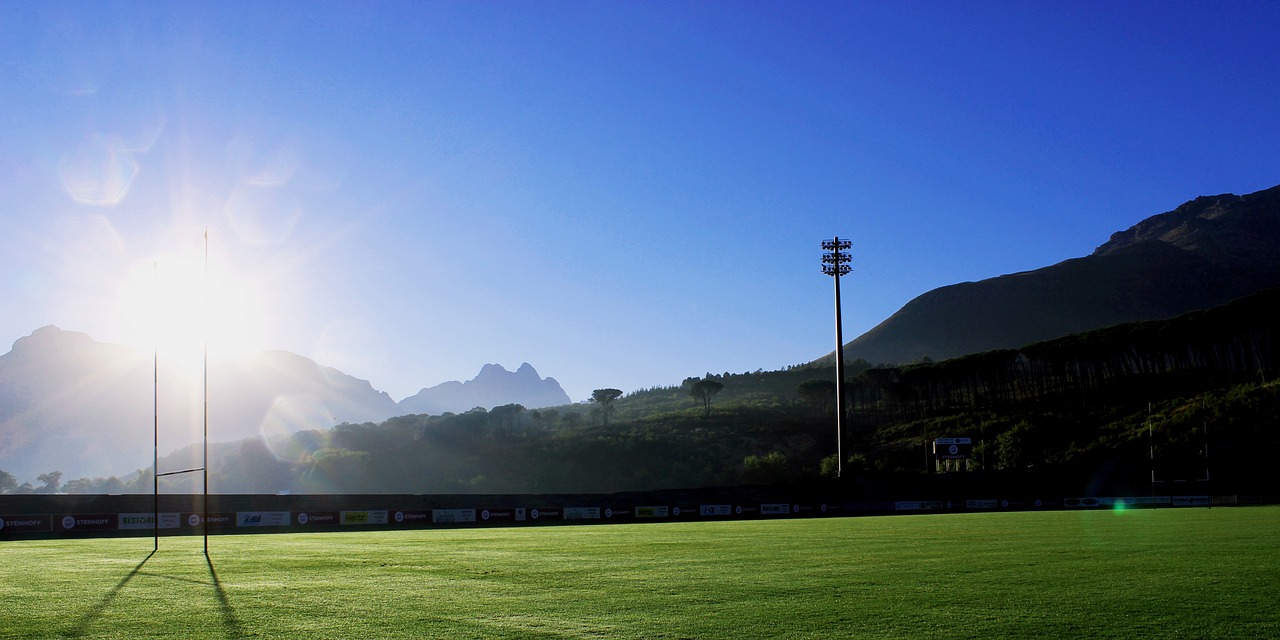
<point>835,263</point>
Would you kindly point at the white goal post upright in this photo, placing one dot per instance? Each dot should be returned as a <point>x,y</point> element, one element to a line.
<point>155,394</point>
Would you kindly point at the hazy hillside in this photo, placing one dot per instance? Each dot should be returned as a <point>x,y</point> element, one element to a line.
<point>84,407</point>
<point>88,408</point>
<point>1206,252</point>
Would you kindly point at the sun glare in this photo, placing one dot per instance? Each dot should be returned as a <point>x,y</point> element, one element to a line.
<point>171,304</point>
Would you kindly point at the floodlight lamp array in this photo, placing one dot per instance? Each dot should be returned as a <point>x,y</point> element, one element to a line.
<point>835,260</point>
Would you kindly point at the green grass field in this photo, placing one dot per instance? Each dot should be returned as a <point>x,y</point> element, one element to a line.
<point>1186,573</point>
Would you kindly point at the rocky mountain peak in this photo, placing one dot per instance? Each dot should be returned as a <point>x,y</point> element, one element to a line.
<point>1204,223</point>
<point>493,386</point>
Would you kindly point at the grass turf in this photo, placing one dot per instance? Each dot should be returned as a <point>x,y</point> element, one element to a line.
<point>1167,573</point>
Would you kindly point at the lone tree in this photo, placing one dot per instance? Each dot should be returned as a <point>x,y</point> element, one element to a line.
<point>818,393</point>
<point>51,481</point>
<point>703,390</point>
<point>605,398</point>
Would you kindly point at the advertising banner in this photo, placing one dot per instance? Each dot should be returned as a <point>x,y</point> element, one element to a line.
<point>411,516</point>
<point>652,512</point>
<point>918,505</point>
<point>215,519</point>
<point>318,518</point>
<point>448,516</point>
<point>497,514</point>
<point>544,514</point>
<point>364,517</point>
<point>775,509</point>
<point>1191,501</point>
<point>87,522</point>
<point>22,524</point>
<point>147,521</point>
<point>715,510</point>
<point>582,513</point>
<point>262,518</point>
<point>980,504</point>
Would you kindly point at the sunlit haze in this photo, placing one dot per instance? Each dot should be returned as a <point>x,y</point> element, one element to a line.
<point>623,194</point>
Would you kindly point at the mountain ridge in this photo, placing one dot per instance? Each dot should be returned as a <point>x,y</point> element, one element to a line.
<point>1206,252</point>
<point>89,408</point>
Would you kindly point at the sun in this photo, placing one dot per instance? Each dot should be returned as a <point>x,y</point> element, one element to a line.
<point>181,305</point>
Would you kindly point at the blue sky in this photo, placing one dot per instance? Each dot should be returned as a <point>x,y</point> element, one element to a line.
<point>622,194</point>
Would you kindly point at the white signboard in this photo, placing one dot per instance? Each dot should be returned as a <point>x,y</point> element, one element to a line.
<point>453,515</point>
<point>263,518</point>
<point>147,521</point>
<point>582,513</point>
<point>716,510</point>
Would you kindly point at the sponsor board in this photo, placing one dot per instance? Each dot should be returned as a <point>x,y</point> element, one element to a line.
<point>411,516</point>
<point>1075,503</point>
<point>544,514</point>
<point>1113,502</point>
<point>917,505</point>
<point>364,517</point>
<point>318,518</point>
<point>87,522</point>
<point>775,509</point>
<point>20,524</point>
<point>449,516</point>
<point>868,507</point>
<point>652,512</point>
<point>1134,501</point>
<point>952,448</point>
<point>686,511</point>
<point>582,513</point>
<point>148,520</point>
<point>498,514</point>
<point>262,518</point>
<point>1191,501</point>
<point>715,510</point>
<point>215,520</point>
<point>980,504</point>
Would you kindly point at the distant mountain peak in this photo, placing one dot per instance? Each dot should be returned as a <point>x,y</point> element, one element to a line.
<point>493,386</point>
<point>51,335</point>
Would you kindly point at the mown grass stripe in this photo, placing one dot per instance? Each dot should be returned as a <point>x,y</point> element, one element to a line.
<point>1162,573</point>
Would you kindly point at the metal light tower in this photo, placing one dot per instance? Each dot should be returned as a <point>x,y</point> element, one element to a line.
<point>835,262</point>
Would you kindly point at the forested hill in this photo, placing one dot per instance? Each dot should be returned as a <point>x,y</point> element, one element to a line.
<point>1206,252</point>
<point>1086,409</point>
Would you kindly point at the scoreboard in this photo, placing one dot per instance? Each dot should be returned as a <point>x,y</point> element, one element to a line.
<point>952,448</point>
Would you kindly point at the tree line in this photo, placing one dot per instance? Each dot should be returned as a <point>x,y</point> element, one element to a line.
<point>1216,347</point>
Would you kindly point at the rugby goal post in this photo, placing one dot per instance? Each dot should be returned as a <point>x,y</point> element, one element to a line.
<point>155,430</point>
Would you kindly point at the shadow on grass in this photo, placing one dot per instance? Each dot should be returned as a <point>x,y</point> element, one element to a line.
<point>95,612</point>
<point>230,622</point>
